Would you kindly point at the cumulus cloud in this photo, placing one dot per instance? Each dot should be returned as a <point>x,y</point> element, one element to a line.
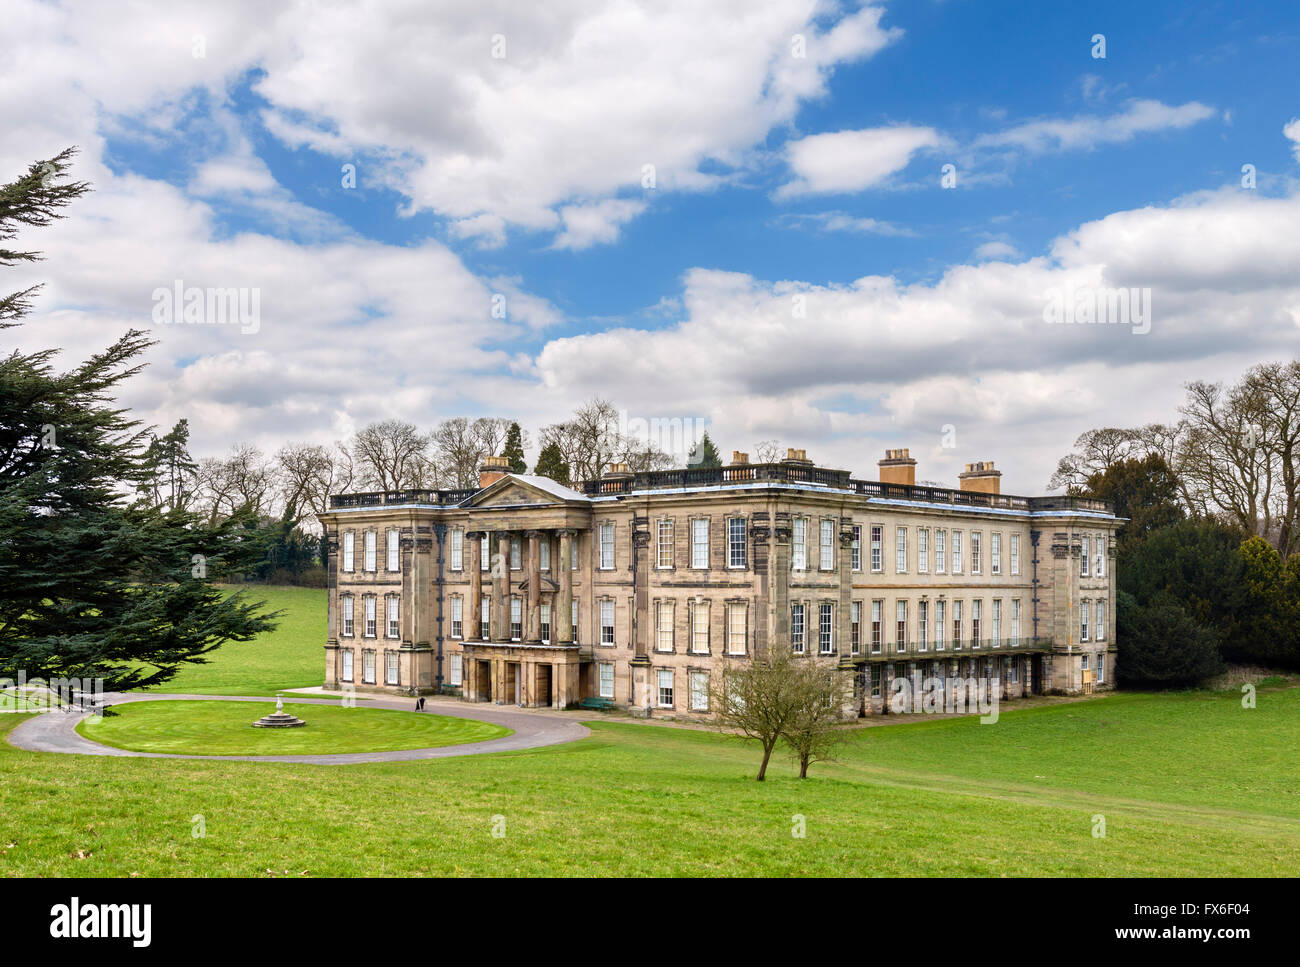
<point>847,161</point>
<point>1292,132</point>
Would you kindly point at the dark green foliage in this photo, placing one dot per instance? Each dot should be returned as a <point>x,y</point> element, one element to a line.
<point>705,455</point>
<point>1161,645</point>
<point>550,463</point>
<point>514,449</point>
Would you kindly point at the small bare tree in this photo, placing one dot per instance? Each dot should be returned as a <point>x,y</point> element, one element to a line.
<point>767,451</point>
<point>816,729</point>
<point>758,699</point>
<point>392,455</point>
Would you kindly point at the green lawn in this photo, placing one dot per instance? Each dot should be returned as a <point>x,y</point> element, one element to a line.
<point>1189,784</point>
<point>225,728</point>
<point>292,656</point>
<point>945,797</point>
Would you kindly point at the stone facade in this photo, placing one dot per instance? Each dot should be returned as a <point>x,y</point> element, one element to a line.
<point>672,574</point>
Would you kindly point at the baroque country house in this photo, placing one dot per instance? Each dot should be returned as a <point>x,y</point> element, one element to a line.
<point>638,587</point>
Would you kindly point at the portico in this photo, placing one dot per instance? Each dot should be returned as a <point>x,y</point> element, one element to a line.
<point>528,655</point>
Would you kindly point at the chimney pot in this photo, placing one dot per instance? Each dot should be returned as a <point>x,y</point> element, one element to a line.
<point>898,467</point>
<point>981,477</point>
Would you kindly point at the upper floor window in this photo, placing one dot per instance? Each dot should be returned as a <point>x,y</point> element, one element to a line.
<point>1083,557</point>
<point>1100,633</point>
<point>700,627</point>
<point>940,619</point>
<point>485,552</point>
<point>857,547</point>
<point>876,621</point>
<point>824,629</point>
<point>371,630</point>
<point>877,551</point>
<point>1015,621</point>
<point>516,619</point>
<point>664,640</point>
<point>737,550</point>
<point>995,553</point>
<point>976,542</point>
<point>370,551</point>
<point>1100,564</point>
<point>900,549</point>
<point>956,552</point>
<point>393,628</point>
<point>923,550</point>
<point>900,625</point>
<point>737,628</point>
<point>797,628</point>
<point>516,553</point>
<point>606,622</point>
<point>828,545</point>
<point>700,542</point>
<point>607,547</point>
<point>855,627</point>
<point>956,624</point>
<point>976,607</point>
<point>544,555</point>
<point>799,546</point>
<point>392,545</point>
<point>1015,554</point>
<point>347,616</point>
<point>545,610</point>
<point>940,552</point>
<point>664,544</point>
<point>922,624</point>
<point>997,622</point>
<point>1083,619</point>
<point>349,562</point>
<point>457,617</point>
<point>457,549</point>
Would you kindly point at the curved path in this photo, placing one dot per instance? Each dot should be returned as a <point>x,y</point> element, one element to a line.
<point>56,731</point>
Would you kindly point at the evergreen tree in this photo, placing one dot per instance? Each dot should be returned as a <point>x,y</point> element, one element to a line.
<point>169,468</point>
<point>550,463</point>
<point>1161,645</point>
<point>705,455</point>
<point>1144,491</point>
<point>514,450</point>
<point>92,585</point>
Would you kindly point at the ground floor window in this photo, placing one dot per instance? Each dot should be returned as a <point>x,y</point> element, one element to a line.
<point>346,674</point>
<point>546,623</point>
<point>875,681</point>
<point>665,688</point>
<point>1013,670</point>
<point>391,668</point>
<point>368,667</point>
<point>606,622</point>
<point>516,619</point>
<point>457,676</point>
<point>700,691</point>
<point>606,670</point>
<point>347,616</point>
<point>484,617</point>
<point>1101,669</point>
<point>457,617</point>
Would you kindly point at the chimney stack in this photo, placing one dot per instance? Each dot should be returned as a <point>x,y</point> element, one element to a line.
<point>739,459</point>
<point>493,469</point>
<point>981,478</point>
<point>797,456</point>
<point>616,471</point>
<point>898,467</point>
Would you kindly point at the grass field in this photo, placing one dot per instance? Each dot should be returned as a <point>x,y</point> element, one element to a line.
<point>1188,784</point>
<point>225,728</point>
<point>293,656</point>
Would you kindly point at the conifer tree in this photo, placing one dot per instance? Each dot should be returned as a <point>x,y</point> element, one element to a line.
<point>514,450</point>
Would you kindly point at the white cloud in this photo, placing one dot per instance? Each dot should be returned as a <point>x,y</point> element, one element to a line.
<point>1292,132</point>
<point>847,161</point>
<point>586,225</point>
<point>1087,131</point>
<point>843,222</point>
<point>998,250</point>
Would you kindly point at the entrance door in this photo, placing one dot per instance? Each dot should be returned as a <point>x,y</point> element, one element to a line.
<point>543,695</point>
<point>512,681</point>
<point>483,681</point>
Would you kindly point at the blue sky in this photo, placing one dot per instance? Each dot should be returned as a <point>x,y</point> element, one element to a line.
<point>520,174</point>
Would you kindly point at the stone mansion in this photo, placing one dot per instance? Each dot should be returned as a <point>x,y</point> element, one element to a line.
<point>638,587</point>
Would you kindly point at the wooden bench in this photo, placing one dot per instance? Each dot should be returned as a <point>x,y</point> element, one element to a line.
<point>600,704</point>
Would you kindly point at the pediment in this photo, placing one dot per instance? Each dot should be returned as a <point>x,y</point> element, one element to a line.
<point>522,490</point>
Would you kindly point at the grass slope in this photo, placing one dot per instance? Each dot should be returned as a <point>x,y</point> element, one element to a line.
<point>292,656</point>
<point>945,797</point>
<point>225,728</point>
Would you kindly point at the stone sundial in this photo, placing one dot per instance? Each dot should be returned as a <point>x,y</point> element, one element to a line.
<point>279,719</point>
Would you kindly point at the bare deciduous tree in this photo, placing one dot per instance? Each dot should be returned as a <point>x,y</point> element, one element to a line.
<point>767,451</point>
<point>758,699</point>
<point>392,455</point>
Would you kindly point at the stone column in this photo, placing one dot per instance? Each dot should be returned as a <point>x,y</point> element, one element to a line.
<point>500,618</point>
<point>533,619</point>
<point>473,622</point>
<point>562,609</point>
